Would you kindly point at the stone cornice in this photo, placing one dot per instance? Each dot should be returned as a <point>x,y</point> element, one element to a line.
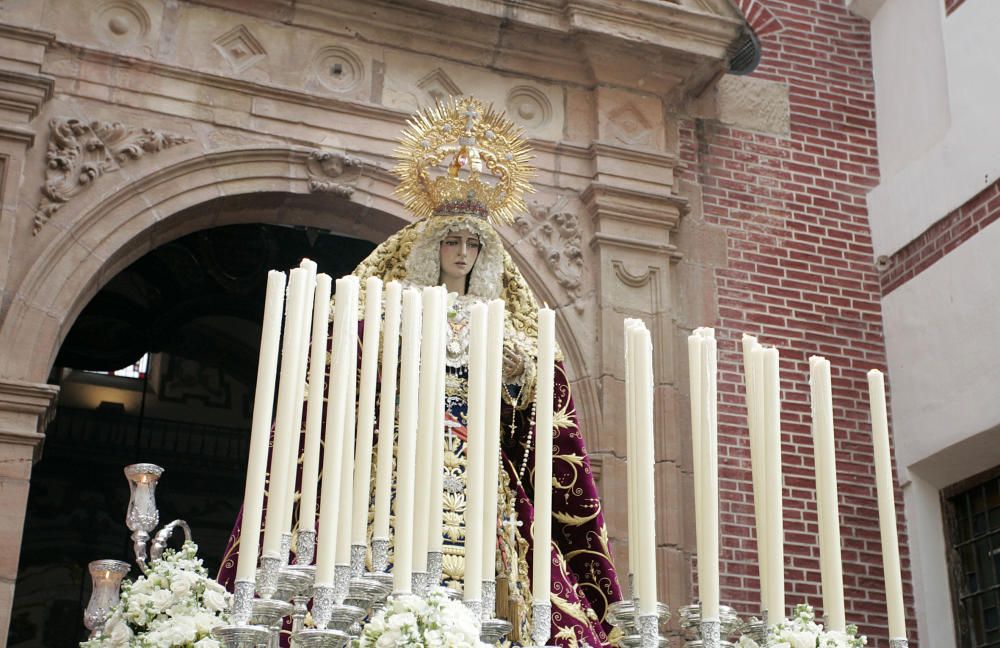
<point>33,399</point>
<point>23,135</point>
<point>27,35</point>
<point>641,208</point>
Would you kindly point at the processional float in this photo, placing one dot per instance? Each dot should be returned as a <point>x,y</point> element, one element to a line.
<point>399,322</point>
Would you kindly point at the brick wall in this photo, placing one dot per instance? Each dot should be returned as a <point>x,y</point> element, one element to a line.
<point>801,276</point>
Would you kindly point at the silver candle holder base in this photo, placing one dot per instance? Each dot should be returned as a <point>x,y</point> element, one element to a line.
<point>492,630</point>
<point>241,636</point>
<point>709,633</point>
<point>296,582</point>
<point>624,615</point>
<point>270,613</point>
<point>541,625</point>
<point>316,638</point>
<point>385,580</point>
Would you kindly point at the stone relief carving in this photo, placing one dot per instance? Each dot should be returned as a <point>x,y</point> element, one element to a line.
<point>629,126</point>
<point>338,69</point>
<point>555,232</point>
<point>333,172</point>
<point>439,86</point>
<point>121,22</point>
<point>529,107</point>
<point>239,48</point>
<point>79,153</point>
<point>632,280</point>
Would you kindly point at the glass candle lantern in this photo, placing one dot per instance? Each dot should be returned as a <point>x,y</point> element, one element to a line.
<point>142,516</point>
<point>106,576</point>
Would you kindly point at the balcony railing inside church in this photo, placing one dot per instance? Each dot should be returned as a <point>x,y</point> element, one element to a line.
<point>112,438</point>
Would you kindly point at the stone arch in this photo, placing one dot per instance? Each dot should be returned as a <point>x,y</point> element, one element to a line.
<point>99,235</point>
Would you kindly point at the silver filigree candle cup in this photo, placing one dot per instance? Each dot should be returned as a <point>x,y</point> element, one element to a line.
<point>380,555</point>
<point>419,583</point>
<point>435,568</point>
<point>358,555</point>
<point>241,636</point>
<point>541,624</point>
<point>267,576</point>
<point>898,642</point>
<point>242,602</point>
<point>142,515</point>
<point>622,614</point>
<point>317,638</point>
<point>341,582</point>
<point>305,547</point>
<point>106,576</point>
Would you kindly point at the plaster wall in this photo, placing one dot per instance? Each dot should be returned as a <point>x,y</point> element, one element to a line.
<point>944,357</point>
<point>936,88</point>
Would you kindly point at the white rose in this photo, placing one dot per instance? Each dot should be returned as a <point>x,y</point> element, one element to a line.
<point>747,642</point>
<point>183,582</point>
<point>207,642</point>
<point>161,599</point>
<point>214,600</point>
<point>802,639</point>
<point>119,634</point>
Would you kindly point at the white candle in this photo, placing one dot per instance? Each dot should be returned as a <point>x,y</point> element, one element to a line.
<point>542,555</point>
<point>387,410</point>
<point>366,411</point>
<point>752,376</point>
<point>642,353</point>
<point>329,519</point>
<point>630,457</point>
<point>260,428</point>
<point>402,570</point>
<point>436,526</point>
<point>831,570</point>
<point>426,421</point>
<point>301,357</point>
<point>287,390</point>
<point>314,413</point>
<point>708,571</point>
<point>775,515</point>
<point>695,372</point>
<point>350,412</point>
<point>886,506</point>
<point>491,466</point>
<point>475,454</point>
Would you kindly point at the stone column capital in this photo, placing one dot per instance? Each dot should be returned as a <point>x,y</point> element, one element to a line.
<point>25,410</point>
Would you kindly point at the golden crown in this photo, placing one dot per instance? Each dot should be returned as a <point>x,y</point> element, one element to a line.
<point>486,160</point>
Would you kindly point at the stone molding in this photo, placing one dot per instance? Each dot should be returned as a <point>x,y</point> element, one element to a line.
<point>336,172</point>
<point>26,400</point>
<point>80,153</point>
<point>24,93</point>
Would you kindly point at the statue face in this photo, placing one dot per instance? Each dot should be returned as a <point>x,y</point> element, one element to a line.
<point>459,251</point>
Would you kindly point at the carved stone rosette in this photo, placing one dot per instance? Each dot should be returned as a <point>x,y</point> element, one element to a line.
<point>79,153</point>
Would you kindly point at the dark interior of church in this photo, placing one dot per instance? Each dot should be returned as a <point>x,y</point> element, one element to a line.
<point>186,319</point>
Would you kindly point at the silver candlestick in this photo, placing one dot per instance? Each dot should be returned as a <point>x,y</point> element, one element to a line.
<point>898,642</point>
<point>625,616</point>
<point>305,547</point>
<point>701,633</point>
<point>142,515</point>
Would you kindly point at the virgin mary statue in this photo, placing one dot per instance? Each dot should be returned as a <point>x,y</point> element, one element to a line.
<point>463,168</point>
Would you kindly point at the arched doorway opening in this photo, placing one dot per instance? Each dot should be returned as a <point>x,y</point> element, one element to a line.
<point>192,307</point>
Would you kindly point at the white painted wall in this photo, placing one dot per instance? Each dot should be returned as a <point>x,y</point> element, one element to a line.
<point>937,89</point>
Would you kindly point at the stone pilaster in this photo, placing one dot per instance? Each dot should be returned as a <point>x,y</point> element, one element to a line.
<point>25,409</point>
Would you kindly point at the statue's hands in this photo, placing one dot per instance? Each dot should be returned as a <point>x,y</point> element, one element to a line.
<point>513,364</point>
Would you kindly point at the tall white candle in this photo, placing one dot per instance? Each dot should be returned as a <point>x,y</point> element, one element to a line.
<point>287,390</point>
<point>426,420</point>
<point>402,570</point>
<point>475,453</point>
<point>775,514</point>
<point>642,353</point>
<point>260,428</point>
<point>753,373</point>
<point>831,570</point>
<point>387,410</point>
<point>886,506</point>
<point>541,576</point>
<point>329,518</point>
<point>301,357</point>
<point>631,456</point>
<point>491,466</point>
<point>366,411</point>
<point>436,527</point>
<point>350,432</point>
<point>314,413</point>
<point>695,371</point>
<point>708,572</point>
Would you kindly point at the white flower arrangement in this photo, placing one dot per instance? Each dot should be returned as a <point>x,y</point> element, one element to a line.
<point>435,621</point>
<point>175,604</point>
<point>802,631</point>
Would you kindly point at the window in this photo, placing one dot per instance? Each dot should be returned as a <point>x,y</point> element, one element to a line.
<point>972,520</point>
<point>135,370</point>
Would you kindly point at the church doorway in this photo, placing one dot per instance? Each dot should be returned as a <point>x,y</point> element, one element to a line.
<point>160,367</point>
